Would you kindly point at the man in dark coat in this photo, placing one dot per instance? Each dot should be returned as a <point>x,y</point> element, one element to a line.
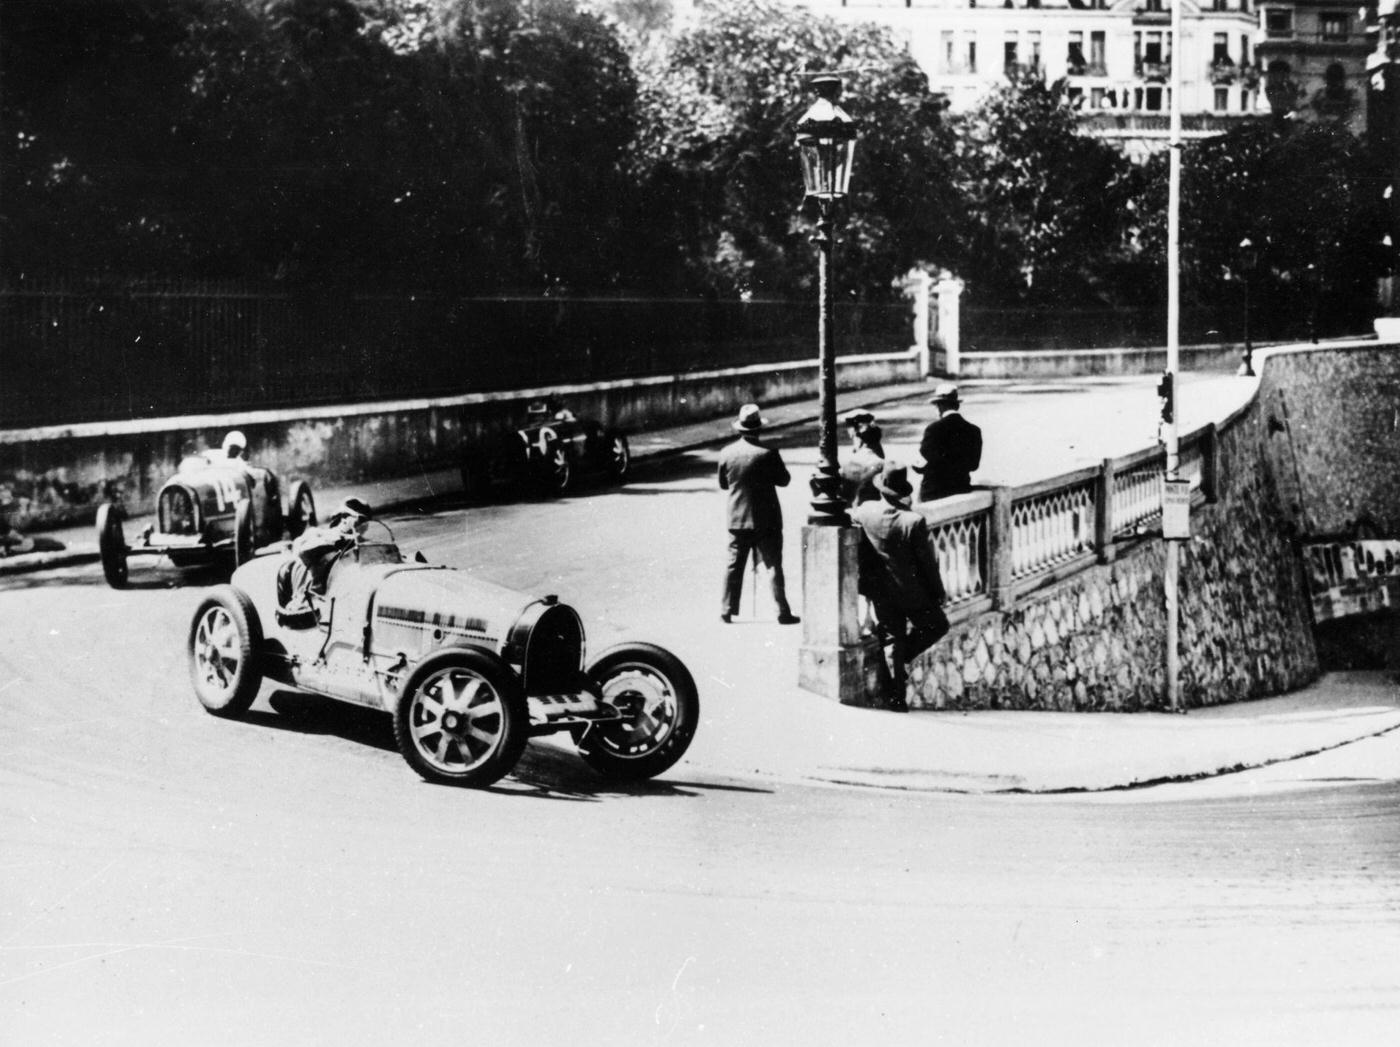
<point>899,572</point>
<point>952,448</point>
<point>752,473</point>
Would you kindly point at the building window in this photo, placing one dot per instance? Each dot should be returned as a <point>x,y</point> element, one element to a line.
<point>1009,52</point>
<point>1097,64</point>
<point>1097,98</point>
<point>1074,60</point>
<point>1222,99</point>
<point>1152,99</point>
<point>1244,49</point>
<point>1221,48</point>
<point>1033,45</point>
<point>972,54</point>
<point>1156,5</point>
<point>950,54</point>
<point>1221,5</point>
<point>1335,27</point>
<point>1278,23</point>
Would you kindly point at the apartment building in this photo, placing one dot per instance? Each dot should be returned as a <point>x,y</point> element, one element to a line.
<point>1238,58</point>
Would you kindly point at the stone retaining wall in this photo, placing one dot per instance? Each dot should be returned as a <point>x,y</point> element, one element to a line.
<point>1096,640</point>
<point>1334,436</point>
<point>58,475</point>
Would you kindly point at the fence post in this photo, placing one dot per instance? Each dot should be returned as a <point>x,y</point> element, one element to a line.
<point>1003,591</point>
<point>1103,513</point>
<point>949,290</point>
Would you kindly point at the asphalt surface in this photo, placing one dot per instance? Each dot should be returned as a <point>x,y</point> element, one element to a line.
<point>1038,430</point>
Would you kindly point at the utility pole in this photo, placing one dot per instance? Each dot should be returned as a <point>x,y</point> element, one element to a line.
<point>1171,408</point>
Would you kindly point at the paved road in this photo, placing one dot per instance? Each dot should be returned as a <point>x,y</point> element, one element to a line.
<point>169,878</point>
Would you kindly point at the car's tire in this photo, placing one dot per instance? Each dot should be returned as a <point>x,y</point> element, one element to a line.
<point>301,509</point>
<point>225,638</point>
<point>461,718</point>
<point>243,544</point>
<point>558,470</point>
<point>619,458</point>
<point>656,690</point>
<point>111,545</point>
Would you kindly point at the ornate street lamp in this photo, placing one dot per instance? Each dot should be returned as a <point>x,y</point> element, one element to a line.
<point>826,140</point>
<point>1249,259</point>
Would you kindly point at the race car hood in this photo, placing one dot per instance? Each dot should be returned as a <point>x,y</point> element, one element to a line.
<point>439,605</point>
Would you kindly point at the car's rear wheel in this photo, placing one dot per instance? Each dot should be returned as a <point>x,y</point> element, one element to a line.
<point>619,458</point>
<point>660,709</point>
<point>243,543</point>
<point>461,718</point>
<point>302,511</point>
<point>224,641</point>
<point>111,545</point>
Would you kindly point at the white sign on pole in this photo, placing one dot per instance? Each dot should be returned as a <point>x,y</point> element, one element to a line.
<point>1176,510</point>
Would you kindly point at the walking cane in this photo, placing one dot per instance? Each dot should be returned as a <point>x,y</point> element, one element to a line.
<point>753,586</point>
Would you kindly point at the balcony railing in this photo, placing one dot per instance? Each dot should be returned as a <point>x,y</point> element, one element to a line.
<point>995,546</point>
<point>1223,71</point>
<point>1154,70</point>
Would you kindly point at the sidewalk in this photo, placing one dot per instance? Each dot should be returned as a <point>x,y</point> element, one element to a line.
<point>793,735</point>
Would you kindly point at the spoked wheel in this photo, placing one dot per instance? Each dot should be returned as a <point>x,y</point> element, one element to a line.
<point>558,470</point>
<point>620,458</point>
<point>243,533</point>
<point>302,511</point>
<point>224,641</point>
<point>660,709</point>
<point>111,545</point>
<point>461,719</point>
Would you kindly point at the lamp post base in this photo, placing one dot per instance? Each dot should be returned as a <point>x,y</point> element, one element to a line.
<point>832,659</point>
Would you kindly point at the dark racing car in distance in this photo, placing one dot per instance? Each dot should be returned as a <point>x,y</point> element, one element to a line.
<point>211,509</point>
<point>468,670</point>
<point>548,454</point>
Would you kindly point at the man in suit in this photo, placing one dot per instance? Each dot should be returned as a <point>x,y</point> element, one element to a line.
<point>952,448</point>
<point>899,573</point>
<point>752,474</point>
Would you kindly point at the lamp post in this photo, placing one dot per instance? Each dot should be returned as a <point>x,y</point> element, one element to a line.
<point>826,140</point>
<point>1249,258</point>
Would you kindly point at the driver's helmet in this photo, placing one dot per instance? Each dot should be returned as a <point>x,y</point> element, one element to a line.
<point>353,514</point>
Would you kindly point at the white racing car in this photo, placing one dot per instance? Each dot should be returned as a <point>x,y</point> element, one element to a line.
<point>469,670</point>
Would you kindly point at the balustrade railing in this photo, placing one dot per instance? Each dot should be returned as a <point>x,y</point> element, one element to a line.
<point>994,546</point>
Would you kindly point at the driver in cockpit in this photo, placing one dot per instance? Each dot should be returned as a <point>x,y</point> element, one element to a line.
<point>313,553</point>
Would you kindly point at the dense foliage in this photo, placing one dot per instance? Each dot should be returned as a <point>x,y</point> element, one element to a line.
<point>554,145</point>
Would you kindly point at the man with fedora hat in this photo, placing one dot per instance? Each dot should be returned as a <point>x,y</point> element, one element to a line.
<point>752,474</point>
<point>951,447</point>
<point>899,572</point>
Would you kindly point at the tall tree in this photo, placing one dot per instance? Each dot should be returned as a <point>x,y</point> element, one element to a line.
<point>1049,207</point>
<point>716,158</point>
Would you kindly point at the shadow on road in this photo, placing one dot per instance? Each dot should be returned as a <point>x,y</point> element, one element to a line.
<point>545,771</point>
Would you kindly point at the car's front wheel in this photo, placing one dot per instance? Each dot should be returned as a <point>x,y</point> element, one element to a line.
<point>655,693</point>
<point>619,458</point>
<point>461,718</point>
<point>224,640</point>
<point>558,470</point>
<point>111,545</point>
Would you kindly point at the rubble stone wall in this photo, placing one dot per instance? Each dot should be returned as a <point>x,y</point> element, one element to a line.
<point>1096,641</point>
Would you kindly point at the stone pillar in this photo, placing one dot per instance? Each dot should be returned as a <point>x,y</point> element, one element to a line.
<point>916,287</point>
<point>831,662</point>
<point>949,290</point>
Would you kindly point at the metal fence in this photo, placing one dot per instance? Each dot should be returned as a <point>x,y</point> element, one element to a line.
<point>89,350</point>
